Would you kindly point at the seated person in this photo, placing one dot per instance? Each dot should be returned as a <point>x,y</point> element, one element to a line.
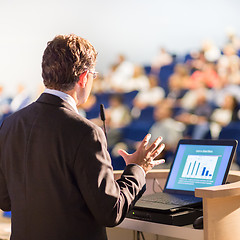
<point>120,74</point>
<point>148,97</point>
<point>178,84</point>
<point>170,129</point>
<point>163,58</point>
<point>139,81</point>
<point>117,117</point>
<point>207,76</point>
<point>197,119</point>
<point>222,116</point>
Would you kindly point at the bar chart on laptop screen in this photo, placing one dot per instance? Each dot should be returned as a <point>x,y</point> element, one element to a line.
<point>199,166</point>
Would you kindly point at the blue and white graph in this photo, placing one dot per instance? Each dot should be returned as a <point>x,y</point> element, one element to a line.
<point>200,166</point>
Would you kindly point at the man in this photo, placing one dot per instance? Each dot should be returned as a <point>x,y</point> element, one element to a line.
<point>55,171</point>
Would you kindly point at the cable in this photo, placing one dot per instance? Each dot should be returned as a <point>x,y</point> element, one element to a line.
<point>140,234</point>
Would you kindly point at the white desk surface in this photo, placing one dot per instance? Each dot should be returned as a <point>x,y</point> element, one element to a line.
<point>183,232</point>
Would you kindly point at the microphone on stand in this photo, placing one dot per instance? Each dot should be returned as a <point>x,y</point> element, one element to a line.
<point>102,115</point>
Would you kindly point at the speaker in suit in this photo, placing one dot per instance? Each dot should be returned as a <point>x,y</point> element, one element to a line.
<point>55,171</point>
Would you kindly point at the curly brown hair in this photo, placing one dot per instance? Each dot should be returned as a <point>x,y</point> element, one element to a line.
<point>65,59</point>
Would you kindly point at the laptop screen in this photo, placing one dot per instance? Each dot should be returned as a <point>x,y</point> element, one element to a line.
<point>200,163</point>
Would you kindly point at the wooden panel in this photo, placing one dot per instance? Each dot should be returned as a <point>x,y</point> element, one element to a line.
<point>232,189</point>
<point>221,218</point>
<point>221,208</point>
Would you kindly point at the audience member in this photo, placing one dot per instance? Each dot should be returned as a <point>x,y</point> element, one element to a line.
<point>163,58</point>
<point>197,62</point>
<point>211,51</point>
<point>197,120</point>
<point>170,129</point>
<point>228,65</point>
<point>217,93</point>
<point>233,39</point>
<point>222,116</point>
<point>139,81</point>
<point>150,96</point>
<point>117,117</point>
<point>207,76</point>
<point>120,74</point>
<point>178,84</point>
<point>189,100</point>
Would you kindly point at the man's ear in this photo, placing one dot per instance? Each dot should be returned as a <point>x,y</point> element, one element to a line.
<point>83,79</point>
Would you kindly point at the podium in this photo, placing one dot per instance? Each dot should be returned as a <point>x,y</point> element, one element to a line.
<point>221,210</point>
<point>221,213</point>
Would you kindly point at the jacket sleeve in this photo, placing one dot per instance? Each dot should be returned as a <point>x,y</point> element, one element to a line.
<point>108,200</point>
<point>5,203</point>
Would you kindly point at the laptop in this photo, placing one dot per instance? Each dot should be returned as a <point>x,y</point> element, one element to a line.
<point>197,164</point>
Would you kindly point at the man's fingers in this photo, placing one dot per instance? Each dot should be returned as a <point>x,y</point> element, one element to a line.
<point>158,150</point>
<point>157,162</point>
<point>154,144</point>
<point>145,141</point>
<point>123,153</point>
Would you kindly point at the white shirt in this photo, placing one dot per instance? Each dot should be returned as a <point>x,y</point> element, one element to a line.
<point>64,96</point>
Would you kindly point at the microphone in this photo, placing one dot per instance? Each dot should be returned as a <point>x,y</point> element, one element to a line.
<point>102,115</point>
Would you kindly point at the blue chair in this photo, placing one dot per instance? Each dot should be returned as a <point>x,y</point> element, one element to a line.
<point>164,74</point>
<point>147,70</point>
<point>93,112</point>
<point>232,131</point>
<point>146,115</point>
<point>137,130</point>
<point>118,163</point>
<point>238,53</point>
<point>103,98</point>
<point>187,57</point>
<point>128,98</point>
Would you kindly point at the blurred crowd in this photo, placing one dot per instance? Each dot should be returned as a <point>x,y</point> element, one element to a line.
<point>193,96</point>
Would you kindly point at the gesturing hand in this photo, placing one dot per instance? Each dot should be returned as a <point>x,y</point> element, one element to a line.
<point>144,155</point>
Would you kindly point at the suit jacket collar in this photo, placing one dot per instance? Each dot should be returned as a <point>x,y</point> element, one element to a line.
<point>54,100</point>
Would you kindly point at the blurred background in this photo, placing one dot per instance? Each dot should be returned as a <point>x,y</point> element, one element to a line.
<point>168,67</point>
<point>136,28</point>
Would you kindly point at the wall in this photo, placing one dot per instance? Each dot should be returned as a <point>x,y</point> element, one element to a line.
<point>136,28</point>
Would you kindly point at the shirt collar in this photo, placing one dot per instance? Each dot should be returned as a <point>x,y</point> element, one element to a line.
<point>64,96</point>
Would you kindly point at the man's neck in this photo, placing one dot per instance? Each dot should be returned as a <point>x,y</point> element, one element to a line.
<point>67,96</point>
<point>73,94</point>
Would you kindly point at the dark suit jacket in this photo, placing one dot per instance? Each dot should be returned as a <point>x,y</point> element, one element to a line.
<point>56,175</point>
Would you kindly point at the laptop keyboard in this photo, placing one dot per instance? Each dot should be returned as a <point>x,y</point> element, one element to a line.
<point>171,199</point>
